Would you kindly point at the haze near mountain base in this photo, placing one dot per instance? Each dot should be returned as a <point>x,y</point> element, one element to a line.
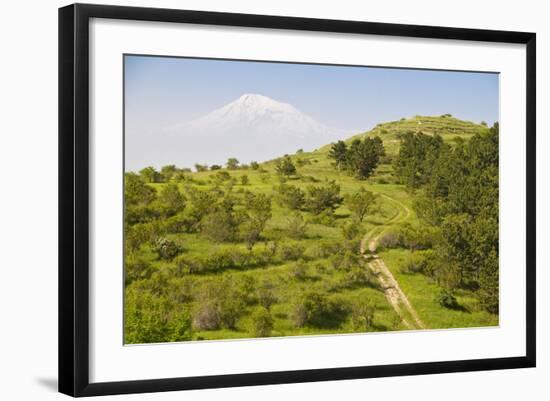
<point>253,127</point>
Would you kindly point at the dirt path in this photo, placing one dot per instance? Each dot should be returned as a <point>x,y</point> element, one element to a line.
<point>395,296</point>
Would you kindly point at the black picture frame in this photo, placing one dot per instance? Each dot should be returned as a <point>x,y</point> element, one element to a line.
<point>74,199</point>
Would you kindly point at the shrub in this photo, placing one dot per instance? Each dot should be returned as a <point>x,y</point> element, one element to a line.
<point>389,240</point>
<point>261,323</point>
<point>166,248</point>
<point>318,310</point>
<point>284,166</point>
<point>447,299</point>
<point>296,226</point>
<point>254,165</point>
<point>363,315</point>
<point>298,270</point>
<point>416,263</point>
<point>346,260</point>
<point>215,167</point>
<point>220,226</point>
<point>290,196</point>
<point>244,180</point>
<point>359,277</point>
<point>351,230</point>
<point>136,268</point>
<point>149,319</point>
<point>290,251</point>
<point>323,198</point>
<point>265,294</point>
<point>207,317</point>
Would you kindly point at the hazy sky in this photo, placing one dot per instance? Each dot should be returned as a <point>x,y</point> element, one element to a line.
<point>161,92</point>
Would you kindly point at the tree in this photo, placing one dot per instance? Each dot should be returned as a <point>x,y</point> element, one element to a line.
<point>361,203</point>
<point>363,315</point>
<point>291,196</point>
<point>338,152</point>
<point>201,167</point>
<point>171,201</point>
<point>150,175</point>
<point>215,167</point>
<point>138,197</point>
<point>323,198</point>
<point>244,180</point>
<point>254,165</point>
<point>257,213</point>
<point>285,167</point>
<point>232,163</point>
<point>261,322</point>
<point>167,172</point>
<point>363,157</point>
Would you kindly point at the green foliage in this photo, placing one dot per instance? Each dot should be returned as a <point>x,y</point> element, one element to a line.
<point>285,167</point>
<point>338,152</point>
<point>150,319</point>
<point>244,179</point>
<point>232,163</point>
<point>323,198</point>
<point>447,299</point>
<point>215,167</point>
<point>257,213</point>
<point>254,165</point>
<point>362,315</point>
<point>261,323</point>
<point>290,196</point>
<point>361,203</point>
<point>150,175</point>
<point>201,167</point>
<point>318,310</point>
<point>170,200</point>
<point>166,249</point>
<point>296,226</point>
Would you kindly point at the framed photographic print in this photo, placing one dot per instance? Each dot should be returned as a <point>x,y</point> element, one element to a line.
<point>250,199</point>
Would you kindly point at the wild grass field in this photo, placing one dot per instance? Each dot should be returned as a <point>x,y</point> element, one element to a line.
<point>266,249</point>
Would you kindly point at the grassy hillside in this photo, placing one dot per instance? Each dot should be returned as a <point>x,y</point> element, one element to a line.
<point>447,126</point>
<point>302,263</point>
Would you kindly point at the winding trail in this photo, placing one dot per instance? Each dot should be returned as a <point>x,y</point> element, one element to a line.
<point>395,296</point>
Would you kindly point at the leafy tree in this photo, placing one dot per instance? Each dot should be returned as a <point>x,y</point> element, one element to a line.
<point>171,200</point>
<point>338,152</point>
<point>363,157</point>
<point>361,203</point>
<point>296,226</point>
<point>363,315</point>
<point>254,165</point>
<point>215,167</point>
<point>323,198</point>
<point>257,213</point>
<point>150,318</point>
<point>138,198</point>
<point>244,180</point>
<point>150,175</point>
<point>261,323</point>
<point>232,163</point>
<point>285,167</point>
<point>201,167</point>
<point>167,172</point>
<point>291,196</point>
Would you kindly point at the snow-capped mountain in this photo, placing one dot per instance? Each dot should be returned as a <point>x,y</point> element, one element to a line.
<point>253,127</point>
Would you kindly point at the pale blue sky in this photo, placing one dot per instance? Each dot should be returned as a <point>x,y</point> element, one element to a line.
<point>162,91</point>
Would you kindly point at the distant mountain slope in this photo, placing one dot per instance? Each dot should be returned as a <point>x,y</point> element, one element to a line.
<point>253,127</point>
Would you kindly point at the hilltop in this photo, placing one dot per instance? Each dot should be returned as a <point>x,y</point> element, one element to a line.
<point>446,126</point>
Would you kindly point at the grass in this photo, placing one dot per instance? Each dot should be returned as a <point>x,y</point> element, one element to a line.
<point>315,168</point>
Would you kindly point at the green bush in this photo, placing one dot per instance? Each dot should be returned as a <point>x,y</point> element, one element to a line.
<point>261,323</point>
<point>447,299</point>
<point>166,249</point>
<point>318,310</point>
<point>290,251</point>
<point>362,316</point>
<point>136,268</point>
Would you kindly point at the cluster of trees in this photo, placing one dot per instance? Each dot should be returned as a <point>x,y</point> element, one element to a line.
<point>458,200</point>
<point>361,158</point>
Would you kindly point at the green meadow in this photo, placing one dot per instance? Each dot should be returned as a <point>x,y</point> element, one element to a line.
<point>273,248</point>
